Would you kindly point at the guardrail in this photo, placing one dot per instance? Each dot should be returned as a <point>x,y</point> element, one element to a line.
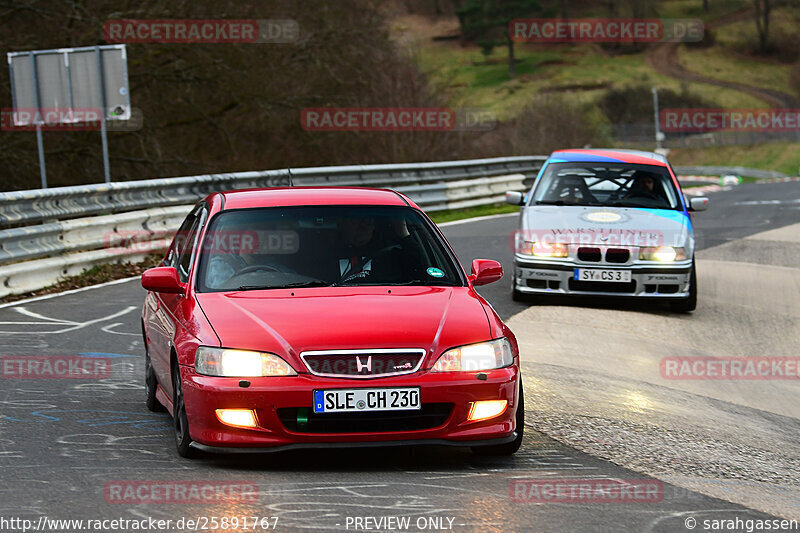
<point>722,171</point>
<point>62,231</point>
<point>35,206</point>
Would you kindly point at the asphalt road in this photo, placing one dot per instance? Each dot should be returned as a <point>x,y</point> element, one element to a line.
<point>64,443</point>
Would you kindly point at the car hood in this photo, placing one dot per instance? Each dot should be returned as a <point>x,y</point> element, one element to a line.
<point>288,322</point>
<point>608,226</point>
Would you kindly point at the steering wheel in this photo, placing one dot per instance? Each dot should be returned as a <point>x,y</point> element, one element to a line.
<point>256,268</point>
<point>643,194</point>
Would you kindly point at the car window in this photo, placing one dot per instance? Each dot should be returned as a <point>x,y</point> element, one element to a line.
<point>185,260</point>
<point>278,247</point>
<point>617,185</point>
<point>179,241</point>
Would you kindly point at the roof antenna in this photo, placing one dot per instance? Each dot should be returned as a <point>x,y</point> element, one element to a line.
<point>291,181</point>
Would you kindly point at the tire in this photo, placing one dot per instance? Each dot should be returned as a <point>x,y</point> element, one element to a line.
<point>150,386</point>
<point>508,448</point>
<point>180,423</point>
<point>690,303</point>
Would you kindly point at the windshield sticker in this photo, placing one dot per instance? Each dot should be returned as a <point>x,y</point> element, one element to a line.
<point>435,272</point>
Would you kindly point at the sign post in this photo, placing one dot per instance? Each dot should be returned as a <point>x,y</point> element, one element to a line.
<point>48,86</point>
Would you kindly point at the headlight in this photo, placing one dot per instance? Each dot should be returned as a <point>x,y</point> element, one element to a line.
<point>475,357</point>
<point>239,363</point>
<point>665,254</point>
<point>543,249</point>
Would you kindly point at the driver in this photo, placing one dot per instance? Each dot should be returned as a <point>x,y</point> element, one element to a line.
<point>357,248</point>
<point>644,184</point>
<point>389,255</point>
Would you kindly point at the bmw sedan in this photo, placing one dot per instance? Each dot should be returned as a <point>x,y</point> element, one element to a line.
<point>325,317</point>
<point>606,223</point>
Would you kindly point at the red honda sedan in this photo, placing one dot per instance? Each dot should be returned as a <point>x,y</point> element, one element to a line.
<point>326,317</point>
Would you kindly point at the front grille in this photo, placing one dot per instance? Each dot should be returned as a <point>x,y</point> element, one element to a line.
<point>591,255</point>
<point>601,286</point>
<point>304,420</point>
<point>617,255</point>
<point>363,363</point>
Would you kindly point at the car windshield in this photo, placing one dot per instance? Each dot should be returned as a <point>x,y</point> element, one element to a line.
<point>316,246</point>
<point>618,185</point>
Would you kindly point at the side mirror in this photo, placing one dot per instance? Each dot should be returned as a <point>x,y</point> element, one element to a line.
<point>485,271</point>
<point>515,198</point>
<point>163,279</point>
<point>699,203</point>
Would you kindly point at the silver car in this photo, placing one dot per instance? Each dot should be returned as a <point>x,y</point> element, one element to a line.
<point>606,223</point>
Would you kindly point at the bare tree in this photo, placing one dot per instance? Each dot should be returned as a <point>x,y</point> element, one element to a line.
<point>763,9</point>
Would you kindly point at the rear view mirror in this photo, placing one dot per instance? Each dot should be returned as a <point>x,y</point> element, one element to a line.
<point>162,279</point>
<point>699,203</point>
<point>485,271</point>
<point>515,198</point>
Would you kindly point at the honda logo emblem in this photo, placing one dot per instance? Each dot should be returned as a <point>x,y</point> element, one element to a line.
<point>362,366</point>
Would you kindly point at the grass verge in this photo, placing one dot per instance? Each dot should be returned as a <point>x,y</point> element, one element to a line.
<point>472,212</point>
<point>781,156</point>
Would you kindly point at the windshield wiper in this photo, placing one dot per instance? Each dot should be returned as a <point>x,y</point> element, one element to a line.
<point>627,204</point>
<point>297,285</point>
<point>562,202</point>
<point>422,282</point>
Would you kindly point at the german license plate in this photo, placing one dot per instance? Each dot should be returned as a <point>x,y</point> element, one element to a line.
<point>596,274</point>
<point>356,400</point>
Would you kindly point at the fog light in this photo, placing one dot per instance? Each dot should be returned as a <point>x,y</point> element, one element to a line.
<point>486,409</point>
<point>240,418</point>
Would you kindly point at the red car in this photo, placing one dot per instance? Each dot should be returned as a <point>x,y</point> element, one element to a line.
<point>325,317</point>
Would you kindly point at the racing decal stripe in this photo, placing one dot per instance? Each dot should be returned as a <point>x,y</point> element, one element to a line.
<point>677,216</point>
<point>583,157</point>
<point>608,156</point>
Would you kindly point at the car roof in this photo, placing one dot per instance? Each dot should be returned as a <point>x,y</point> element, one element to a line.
<point>294,196</point>
<point>612,155</point>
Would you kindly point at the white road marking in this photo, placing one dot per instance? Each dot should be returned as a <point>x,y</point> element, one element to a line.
<point>71,325</point>
<point>110,329</point>
<point>72,291</point>
<point>768,202</point>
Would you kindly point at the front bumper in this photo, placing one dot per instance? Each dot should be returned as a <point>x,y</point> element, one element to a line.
<point>271,398</point>
<point>558,277</point>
